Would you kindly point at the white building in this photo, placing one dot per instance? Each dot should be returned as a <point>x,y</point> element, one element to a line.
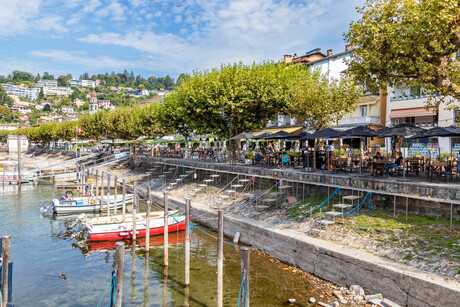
<point>58,91</point>
<point>46,83</point>
<point>30,93</point>
<point>8,127</point>
<point>13,143</point>
<point>67,109</point>
<point>83,83</point>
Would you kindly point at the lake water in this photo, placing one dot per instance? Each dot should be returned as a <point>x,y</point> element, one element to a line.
<point>41,250</point>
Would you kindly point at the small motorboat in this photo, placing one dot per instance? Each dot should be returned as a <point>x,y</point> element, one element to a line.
<point>120,231</point>
<point>69,205</point>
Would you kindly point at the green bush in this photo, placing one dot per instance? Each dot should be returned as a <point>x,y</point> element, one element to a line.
<point>248,156</point>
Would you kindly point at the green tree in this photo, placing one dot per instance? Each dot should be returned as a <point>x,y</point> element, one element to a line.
<point>63,81</point>
<point>41,95</point>
<point>4,111</point>
<point>173,116</point>
<point>407,43</point>
<point>47,76</point>
<point>4,98</point>
<point>235,99</point>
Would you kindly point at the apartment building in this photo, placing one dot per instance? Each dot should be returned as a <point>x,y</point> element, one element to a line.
<point>58,91</point>
<point>30,93</point>
<point>46,83</point>
<point>83,83</point>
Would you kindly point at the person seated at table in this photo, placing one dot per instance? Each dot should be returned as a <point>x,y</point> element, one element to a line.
<point>458,161</point>
<point>376,171</point>
<point>397,163</point>
<point>258,157</point>
<point>284,159</point>
<point>269,148</point>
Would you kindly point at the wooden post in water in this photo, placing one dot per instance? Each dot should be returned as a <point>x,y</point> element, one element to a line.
<point>97,184</point>
<point>187,242</point>
<point>19,161</point>
<point>115,195</point>
<point>102,192</point>
<point>244,298</point>
<point>6,256</point>
<point>120,264</point>
<point>166,260</point>
<point>135,201</point>
<point>123,217</point>
<point>108,194</point>
<point>220,258</point>
<point>147,220</point>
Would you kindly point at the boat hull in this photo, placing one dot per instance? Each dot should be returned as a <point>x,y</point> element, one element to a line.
<point>86,206</point>
<point>94,235</point>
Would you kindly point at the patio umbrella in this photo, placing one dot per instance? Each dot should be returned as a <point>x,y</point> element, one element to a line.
<point>359,132</point>
<point>436,132</point>
<point>298,137</point>
<point>327,133</point>
<point>279,135</point>
<point>399,130</point>
<point>264,135</point>
<point>243,135</point>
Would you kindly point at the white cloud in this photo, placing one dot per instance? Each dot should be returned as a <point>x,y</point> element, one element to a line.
<point>114,9</point>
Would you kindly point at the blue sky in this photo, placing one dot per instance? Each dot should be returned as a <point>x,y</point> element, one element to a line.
<point>159,37</point>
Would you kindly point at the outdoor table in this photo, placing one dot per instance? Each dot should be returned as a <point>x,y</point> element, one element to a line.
<point>439,169</point>
<point>340,164</point>
<point>379,165</point>
<point>414,164</point>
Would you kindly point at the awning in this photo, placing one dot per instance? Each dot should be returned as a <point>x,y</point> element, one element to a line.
<point>413,112</point>
<point>292,130</point>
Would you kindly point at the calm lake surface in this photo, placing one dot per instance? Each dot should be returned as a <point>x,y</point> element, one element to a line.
<point>41,250</point>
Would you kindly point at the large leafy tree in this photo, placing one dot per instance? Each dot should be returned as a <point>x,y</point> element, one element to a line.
<point>173,116</point>
<point>234,99</point>
<point>147,120</point>
<point>407,42</point>
<point>319,101</point>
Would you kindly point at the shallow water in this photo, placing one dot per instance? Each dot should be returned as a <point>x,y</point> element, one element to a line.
<point>41,250</point>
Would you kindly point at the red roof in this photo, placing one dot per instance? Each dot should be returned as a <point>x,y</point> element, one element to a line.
<point>413,112</point>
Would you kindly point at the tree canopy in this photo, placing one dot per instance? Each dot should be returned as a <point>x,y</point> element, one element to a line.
<point>407,42</point>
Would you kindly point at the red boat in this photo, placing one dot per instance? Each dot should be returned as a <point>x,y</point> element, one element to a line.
<point>122,231</point>
<point>154,241</point>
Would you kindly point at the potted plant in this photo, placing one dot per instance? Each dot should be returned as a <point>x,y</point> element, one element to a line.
<point>248,158</point>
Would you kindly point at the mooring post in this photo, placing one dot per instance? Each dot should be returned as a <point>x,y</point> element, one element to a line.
<point>97,184</point>
<point>109,194</point>
<point>244,298</point>
<point>166,260</point>
<point>120,264</point>
<point>102,192</point>
<point>135,200</point>
<point>123,216</point>
<point>19,160</point>
<point>165,287</point>
<point>147,220</point>
<point>115,195</point>
<point>6,259</point>
<point>220,258</point>
<point>187,242</point>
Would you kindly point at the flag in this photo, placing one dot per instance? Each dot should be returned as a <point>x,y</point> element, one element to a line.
<point>79,130</point>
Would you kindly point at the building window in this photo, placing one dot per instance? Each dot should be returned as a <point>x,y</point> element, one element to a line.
<point>457,117</point>
<point>363,111</point>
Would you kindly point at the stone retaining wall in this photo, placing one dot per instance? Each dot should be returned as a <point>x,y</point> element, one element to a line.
<point>400,283</point>
<point>436,203</point>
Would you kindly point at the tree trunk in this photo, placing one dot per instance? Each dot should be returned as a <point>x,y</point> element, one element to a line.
<point>314,154</point>
<point>234,149</point>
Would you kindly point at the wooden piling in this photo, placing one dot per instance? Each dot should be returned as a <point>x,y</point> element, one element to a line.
<point>115,194</point>
<point>165,287</point>
<point>147,220</point>
<point>244,298</point>
<point>135,202</point>
<point>109,194</point>
<point>123,217</point>
<point>120,263</point>
<point>6,256</point>
<point>97,184</point>
<point>220,258</point>
<point>19,161</point>
<point>166,260</point>
<point>187,242</point>
<point>102,192</point>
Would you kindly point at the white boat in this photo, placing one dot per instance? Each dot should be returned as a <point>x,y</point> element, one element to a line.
<point>65,205</point>
<point>115,219</point>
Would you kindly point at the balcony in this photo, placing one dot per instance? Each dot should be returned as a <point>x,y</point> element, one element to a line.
<point>358,121</point>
